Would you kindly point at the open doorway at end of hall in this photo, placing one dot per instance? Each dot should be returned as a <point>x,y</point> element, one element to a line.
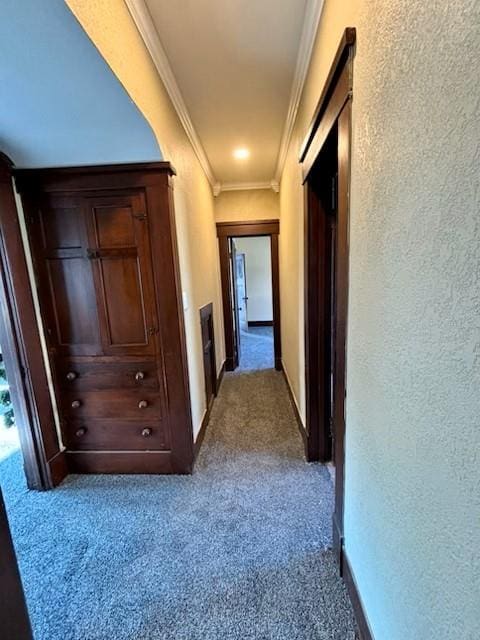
<point>250,293</point>
<point>253,301</point>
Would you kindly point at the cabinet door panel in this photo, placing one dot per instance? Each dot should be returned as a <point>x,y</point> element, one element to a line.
<point>119,234</point>
<point>114,225</point>
<point>66,277</point>
<point>124,304</point>
<point>72,293</point>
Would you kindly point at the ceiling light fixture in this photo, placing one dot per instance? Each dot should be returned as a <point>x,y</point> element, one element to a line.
<point>241,153</point>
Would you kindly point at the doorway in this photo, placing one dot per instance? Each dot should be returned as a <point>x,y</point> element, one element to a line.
<point>326,160</point>
<point>253,301</point>
<point>250,293</point>
<point>22,356</point>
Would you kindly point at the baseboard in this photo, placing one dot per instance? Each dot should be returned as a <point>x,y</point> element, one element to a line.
<point>141,462</point>
<point>260,323</point>
<point>220,377</point>
<point>337,542</point>
<point>206,416</point>
<point>58,469</point>
<point>201,434</point>
<point>358,609</point>
<point>301,426</point>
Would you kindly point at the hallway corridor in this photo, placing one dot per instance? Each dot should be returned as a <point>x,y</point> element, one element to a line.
<point>235,552</point>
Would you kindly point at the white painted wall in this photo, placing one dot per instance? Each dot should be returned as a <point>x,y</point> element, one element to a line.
<point>258,269</point>
<point>412,484</point>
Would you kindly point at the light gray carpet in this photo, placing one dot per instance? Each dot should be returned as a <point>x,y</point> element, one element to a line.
<point>238,551</point>
<point>256,348</point>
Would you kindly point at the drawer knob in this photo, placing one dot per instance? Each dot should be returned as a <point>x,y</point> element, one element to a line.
<point>80,432</point>
<point>71,375</point>
<point>139,376</point>
<point>143,404</point>
<point>76,404</point>
<point>146,433</point>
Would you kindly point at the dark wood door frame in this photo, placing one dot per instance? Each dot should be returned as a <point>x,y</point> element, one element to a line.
<point>14,620</point>
<point>44,461</point>
<point>333,110</point>
<point>245,229</point>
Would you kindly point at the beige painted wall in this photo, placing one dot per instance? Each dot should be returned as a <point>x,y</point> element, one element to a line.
<point>253,204</point>
<point>111,28</point>
<point>413,370</point>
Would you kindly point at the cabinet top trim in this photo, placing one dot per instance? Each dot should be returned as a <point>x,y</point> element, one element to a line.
<point>24,177</point>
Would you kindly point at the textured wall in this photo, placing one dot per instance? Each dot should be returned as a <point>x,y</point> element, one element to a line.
<point>253,204</point>
<point>412,507</point>
<point>112,30</point>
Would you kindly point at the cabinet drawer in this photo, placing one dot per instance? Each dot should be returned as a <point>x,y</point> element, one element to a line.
<point>97,375</point>
<point>114,435</point>
<point>122,405</point>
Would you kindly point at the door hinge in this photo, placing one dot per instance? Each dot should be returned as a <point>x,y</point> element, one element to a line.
<point>140,216</point>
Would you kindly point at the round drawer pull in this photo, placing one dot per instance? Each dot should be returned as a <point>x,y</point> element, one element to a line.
<point>139,376</point>
<point>143,404</point>
<point>80,432</point>
<point>76,404</point>
<point>71,375</point>
<point>146,433</point>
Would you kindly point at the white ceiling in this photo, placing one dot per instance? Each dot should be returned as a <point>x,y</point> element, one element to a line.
<point>60,103</point>
<point>234,62</point>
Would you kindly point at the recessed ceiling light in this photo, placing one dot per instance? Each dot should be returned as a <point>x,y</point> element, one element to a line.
<point>241,153</point>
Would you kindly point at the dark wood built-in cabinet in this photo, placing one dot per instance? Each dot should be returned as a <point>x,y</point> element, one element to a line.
<point>105,259</point>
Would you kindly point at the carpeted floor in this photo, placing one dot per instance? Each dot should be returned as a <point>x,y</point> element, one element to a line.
<point>238,551</point>
<point>256,348</point>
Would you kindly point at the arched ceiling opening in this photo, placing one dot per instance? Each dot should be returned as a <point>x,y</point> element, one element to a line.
<point>60,103</point>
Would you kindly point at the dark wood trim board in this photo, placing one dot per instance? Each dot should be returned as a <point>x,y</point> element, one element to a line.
<point>300,425</point>
<point>355,599</point>
<point>22,348</point>
<point>220,377</point>
<point>277,332</point>
<point>260,323</point>
<point>248,228</point>
<point>201,434</point>
<point>347,42</point>
<point>206,415</point>
<point>14,620</point>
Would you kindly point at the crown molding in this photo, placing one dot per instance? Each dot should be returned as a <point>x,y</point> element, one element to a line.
<point>245,186</point>
<point>146,27</point>
<point>311,21</point>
